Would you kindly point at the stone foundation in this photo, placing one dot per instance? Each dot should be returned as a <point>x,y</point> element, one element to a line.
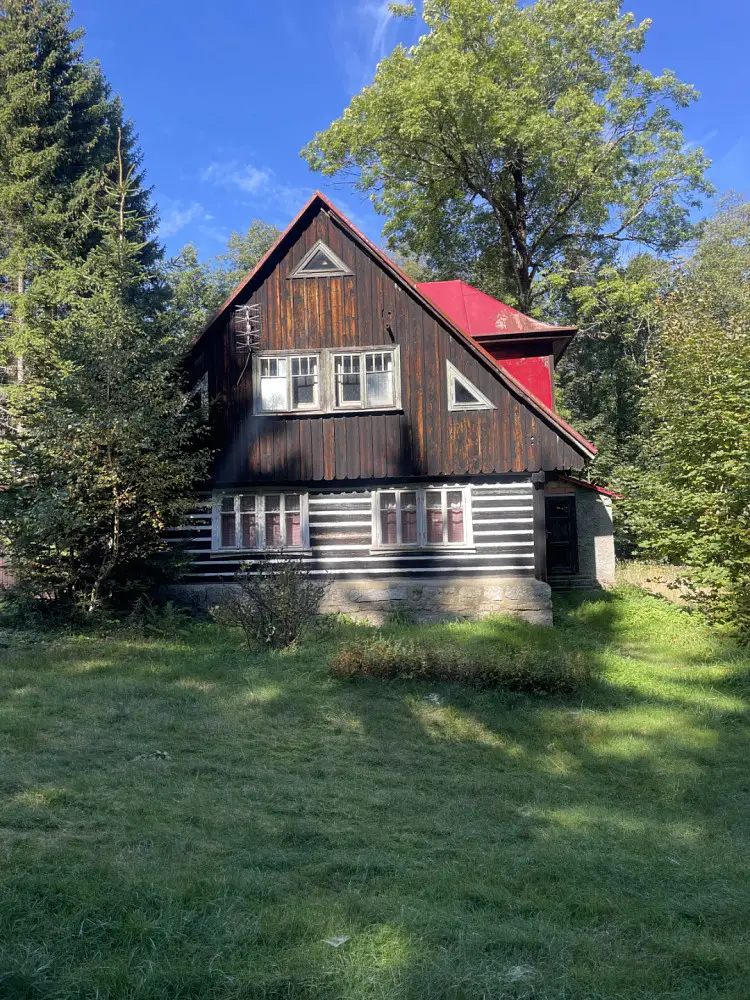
<point>425,600</point>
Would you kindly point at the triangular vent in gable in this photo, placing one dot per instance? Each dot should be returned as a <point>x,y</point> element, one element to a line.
<point>463,394</point>
<point>319,262</point>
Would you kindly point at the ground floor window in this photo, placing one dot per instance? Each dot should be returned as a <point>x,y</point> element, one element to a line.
<point>422,517</point>
<point>259,521</point>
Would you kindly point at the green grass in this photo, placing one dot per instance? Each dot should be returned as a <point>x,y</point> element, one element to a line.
<point>182,820</point>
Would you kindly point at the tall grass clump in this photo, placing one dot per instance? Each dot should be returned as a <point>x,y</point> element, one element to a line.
<point>531,670</point>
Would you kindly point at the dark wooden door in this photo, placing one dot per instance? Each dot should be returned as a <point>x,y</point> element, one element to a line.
<point>562,537</point>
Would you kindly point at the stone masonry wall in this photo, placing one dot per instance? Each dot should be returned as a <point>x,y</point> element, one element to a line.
<point>425,600</point>
<point>596,545</point>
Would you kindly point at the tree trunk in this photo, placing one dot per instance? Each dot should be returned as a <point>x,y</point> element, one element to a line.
<point>21,290</point>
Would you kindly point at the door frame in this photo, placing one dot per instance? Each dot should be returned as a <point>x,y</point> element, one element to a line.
<point>573,521</point>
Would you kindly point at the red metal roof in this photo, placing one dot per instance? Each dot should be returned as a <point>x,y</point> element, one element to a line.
<point>479,315</point>
<point>593,486</point>
<point>474,346</point>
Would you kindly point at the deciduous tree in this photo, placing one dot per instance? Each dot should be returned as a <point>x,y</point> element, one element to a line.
<point>513,134</point>
<point>688,501</point>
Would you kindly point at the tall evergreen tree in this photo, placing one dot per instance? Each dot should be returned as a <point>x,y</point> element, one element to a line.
<point>98,447</point>
<point>58,141</point>
<point>104,448</point>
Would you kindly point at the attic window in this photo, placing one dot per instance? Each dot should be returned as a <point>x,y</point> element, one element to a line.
<point>320,262</point>
<point>463,394</point>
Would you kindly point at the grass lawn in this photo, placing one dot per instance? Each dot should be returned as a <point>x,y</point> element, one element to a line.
<point>179,819</point>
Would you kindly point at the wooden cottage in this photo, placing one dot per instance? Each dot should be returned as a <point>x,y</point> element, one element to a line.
<point>399,439</point>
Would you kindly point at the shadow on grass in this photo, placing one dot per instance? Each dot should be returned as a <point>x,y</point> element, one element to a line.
<point>195,822</point>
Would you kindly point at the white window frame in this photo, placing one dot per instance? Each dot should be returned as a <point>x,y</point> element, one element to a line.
<point>341,268</point>
<point>363,403</point>
<point>453,376</point>
<point>326,385</point>
<point>260,521</point>
<point>288,357</point>
<point>421,542</point>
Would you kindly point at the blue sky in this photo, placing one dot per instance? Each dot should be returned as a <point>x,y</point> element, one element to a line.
<point>225,94</point>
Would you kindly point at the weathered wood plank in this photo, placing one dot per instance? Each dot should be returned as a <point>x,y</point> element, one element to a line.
<point>355,311</point>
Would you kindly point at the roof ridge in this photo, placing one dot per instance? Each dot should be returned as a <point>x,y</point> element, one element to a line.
<point>474,346</point>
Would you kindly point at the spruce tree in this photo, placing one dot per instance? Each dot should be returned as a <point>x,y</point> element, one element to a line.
<point>105,447</point>
<point>98,447</point>
<point>58,140</point>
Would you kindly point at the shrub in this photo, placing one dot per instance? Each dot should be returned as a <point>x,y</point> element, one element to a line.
<point>273,603</point>
<point>534,671</point>
<point>151,619</point>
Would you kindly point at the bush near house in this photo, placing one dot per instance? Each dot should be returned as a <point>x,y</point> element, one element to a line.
<point>274,604</point>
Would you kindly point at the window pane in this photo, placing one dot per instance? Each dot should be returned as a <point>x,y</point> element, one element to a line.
<point>227,504</point>
<point>228,533</point>
<point>292,501</point>
<point>303,391</point>
<point>388,531</point>
<point>320,262</point>
<point>455,516</point>
<point>273,502</point>
<point>434,502</point>
<point>380,389</point>
<point>464,396</point>
<point>348,379</point>
<point>409,518</point>
<point>304,382</point>
<point>273,393</point>
<point>293,528</point>
<point>273,530</point>
<point>247,502</point>
<point>379,369</point>
<point>249,532</point>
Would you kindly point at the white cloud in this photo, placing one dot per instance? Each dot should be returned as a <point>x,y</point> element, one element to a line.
<point>178,214</point>
<point>361,39</point>
<point>237,175</point>
<point>702,140</point>
<point>260,183</point>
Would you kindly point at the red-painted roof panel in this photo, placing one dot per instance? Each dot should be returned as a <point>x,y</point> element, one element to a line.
<point>479,314</point>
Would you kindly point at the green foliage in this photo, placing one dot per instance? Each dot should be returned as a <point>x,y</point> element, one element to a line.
<point>197,289</point>
<point>512,135</point>
<point>274,604</point>
<point>516,668</point>
<point>101,451</point>
<point>59,131</point>
<point>195,292</point>
<point>98,450</point>
<point>688,500</point>
<point>150,619</point>
<point>243,252</point>
<point>601,379</point>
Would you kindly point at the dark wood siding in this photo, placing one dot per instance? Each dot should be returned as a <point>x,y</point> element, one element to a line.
<point>365,308</point>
